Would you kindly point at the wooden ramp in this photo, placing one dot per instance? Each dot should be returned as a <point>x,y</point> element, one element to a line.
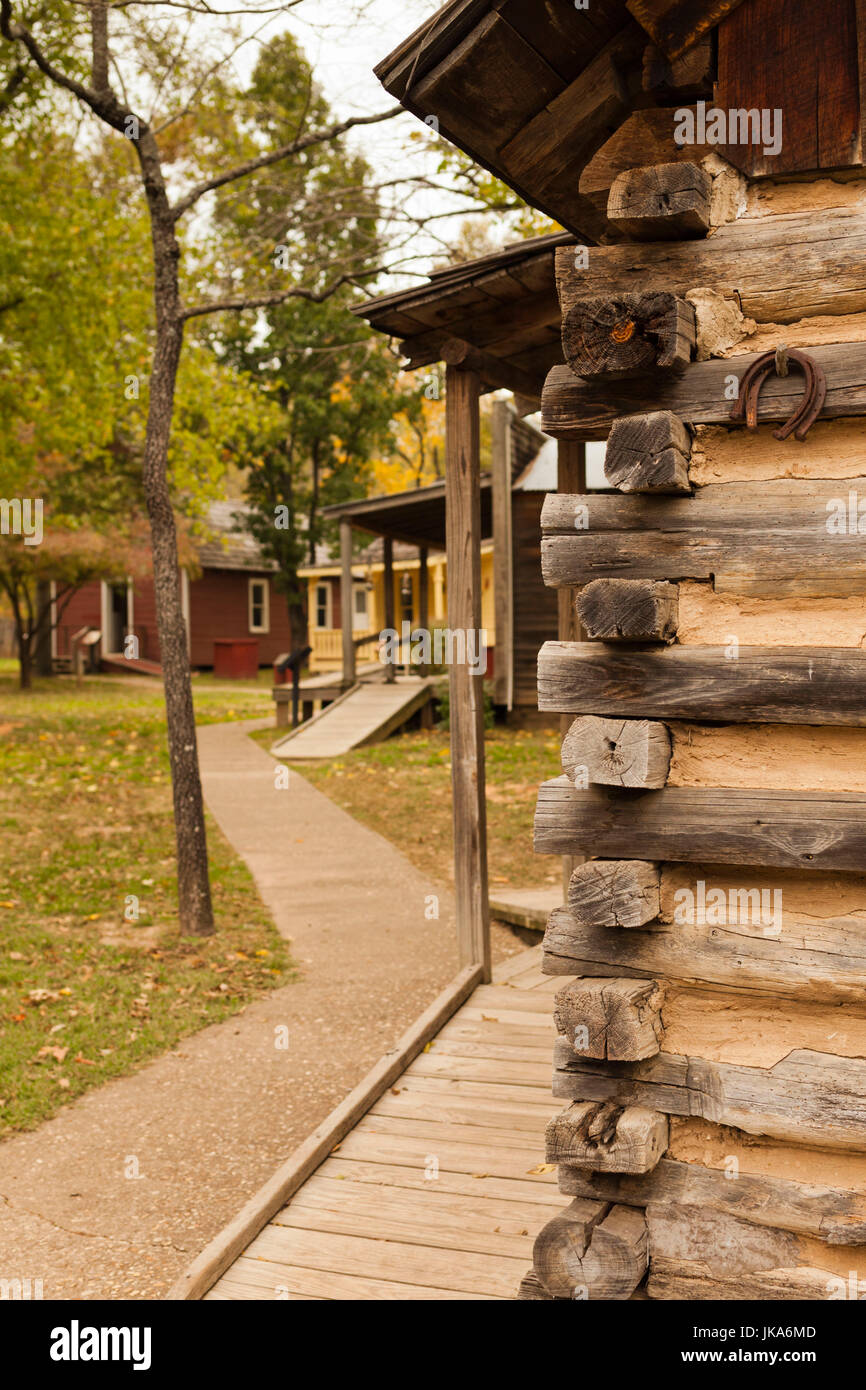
<point>367,713</point>
<point>440,1188</point>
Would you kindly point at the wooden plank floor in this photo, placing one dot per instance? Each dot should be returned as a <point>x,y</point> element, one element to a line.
<point>439,1191</point>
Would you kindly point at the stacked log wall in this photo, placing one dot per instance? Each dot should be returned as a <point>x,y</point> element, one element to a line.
<point>760,1067</point>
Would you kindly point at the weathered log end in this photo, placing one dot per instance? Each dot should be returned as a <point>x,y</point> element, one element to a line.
<point>607,1138</point>
<point>611,1020</point>
<point>616,752</point>
<point>629,610</point>
<point>661,202</point>
<point>615,893</point>
<point>592,1251</point>
<point>649,453</point>
<point>629,334</point>
<point>532,1290</point>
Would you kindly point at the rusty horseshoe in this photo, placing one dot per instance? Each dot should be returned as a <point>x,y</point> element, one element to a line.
<point>809,408</point>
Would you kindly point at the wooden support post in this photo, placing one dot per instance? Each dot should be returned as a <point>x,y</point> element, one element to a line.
<point>571,478</point>
<point>463,529</point>
<point>347,603</point>
<point>503,556</point>
<point>423,601</point>
<point>388,581</point>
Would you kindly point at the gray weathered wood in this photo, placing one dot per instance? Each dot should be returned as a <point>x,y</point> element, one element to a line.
<point>616,752</point>
<point>767,539</point>
<point>661,202</point>
<point>784,685</point>
<point>625,335</point>
<point>709,1252</point>
<point>807,1098</point>
<point>704,825</point>
<point>463,524</point>
<point>615,1020</point>
<point>836,1215</point>
<point>820,960</point>
<point>592,1251</point>
<point>607,1138</point>
<point>574,407</point>
<point>614,893</point>
<point>648,453</point>
<point>629,610</point>
<point>783,268</point>
<point>533,1291</point>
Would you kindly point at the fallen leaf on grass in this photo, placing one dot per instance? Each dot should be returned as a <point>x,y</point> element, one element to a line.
<point>84,1061</point>
<point>58,1053</point>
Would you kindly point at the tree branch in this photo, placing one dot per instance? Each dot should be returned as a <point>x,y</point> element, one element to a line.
<point>265,301</point>
<point>104,104</point>
<point>303,142</point>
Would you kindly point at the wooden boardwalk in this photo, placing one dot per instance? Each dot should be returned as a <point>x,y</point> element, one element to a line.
<point>367,713</point>
<point>440,1189</point>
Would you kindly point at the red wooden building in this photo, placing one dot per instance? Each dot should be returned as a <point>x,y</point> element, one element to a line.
<point>230,595</point>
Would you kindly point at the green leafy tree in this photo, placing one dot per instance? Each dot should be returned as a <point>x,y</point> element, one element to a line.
<point>142,61</point>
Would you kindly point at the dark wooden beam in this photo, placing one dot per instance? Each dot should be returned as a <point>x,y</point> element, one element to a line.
<point>675,25</point>
<point>709,825</point>
<point>466,702</point>
<point>751,685</point>
<point>492,372</point>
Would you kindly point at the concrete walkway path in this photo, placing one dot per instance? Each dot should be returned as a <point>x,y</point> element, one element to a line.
<point>206,1125</point>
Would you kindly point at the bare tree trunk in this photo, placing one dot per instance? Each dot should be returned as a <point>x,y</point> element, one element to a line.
<point>25,663</point>
<point>193,885</point>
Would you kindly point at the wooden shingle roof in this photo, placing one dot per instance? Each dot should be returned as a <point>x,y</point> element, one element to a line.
<point>531,89</point>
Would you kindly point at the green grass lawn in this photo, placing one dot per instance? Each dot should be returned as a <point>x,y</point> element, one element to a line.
<point>85,827</point>
<point>402,789</point>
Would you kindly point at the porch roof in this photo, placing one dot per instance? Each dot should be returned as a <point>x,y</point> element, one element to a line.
<point>417,517</point>
<point>504,305</point>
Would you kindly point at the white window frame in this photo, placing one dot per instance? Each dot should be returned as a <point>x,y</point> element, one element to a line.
<point>265,626</point>
<point>329,605</point>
